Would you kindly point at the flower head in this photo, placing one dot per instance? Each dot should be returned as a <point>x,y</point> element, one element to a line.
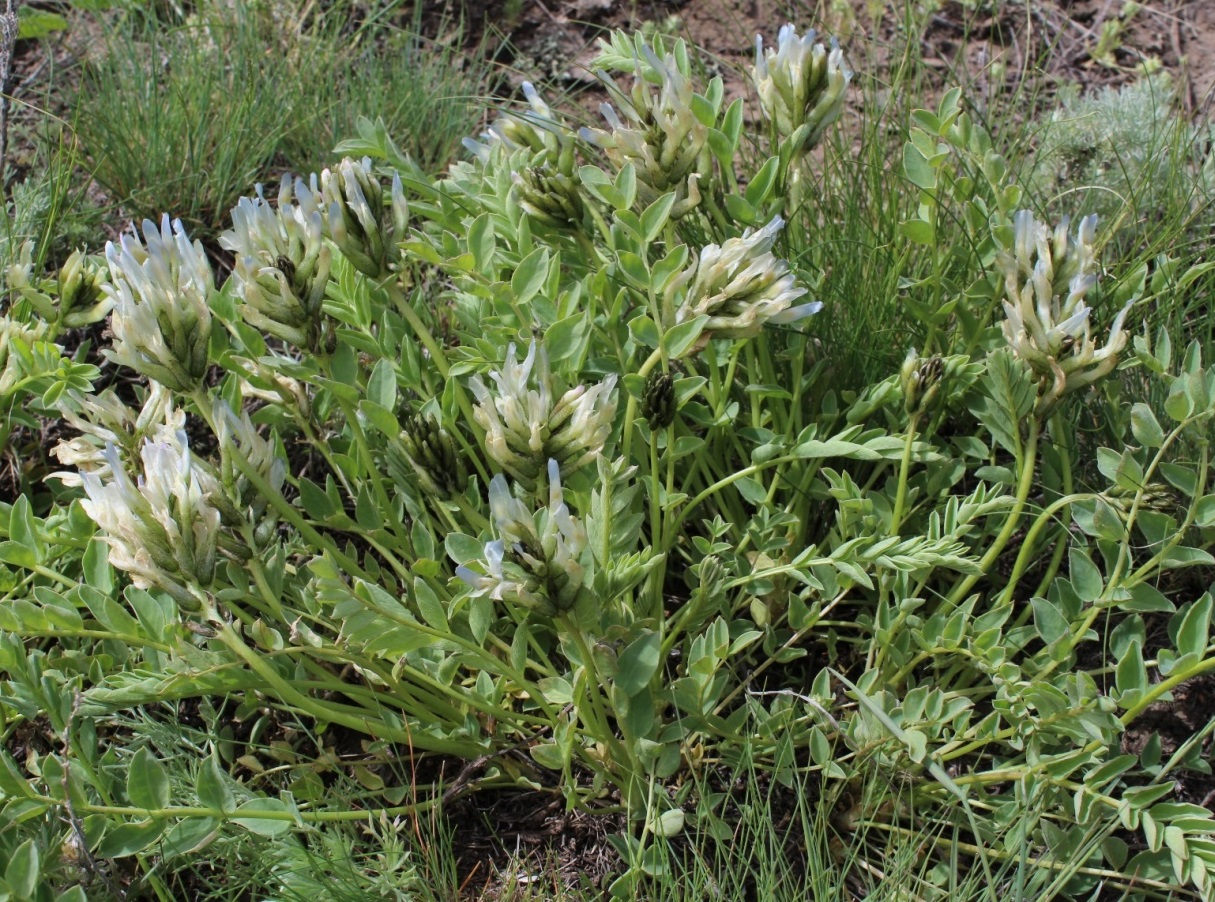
<point>354,214</point>
<point>104,420</point>
<point>801,84</point>
<point>537,129</point>
<point>161,320</point>
<point>538,560</point>
<point>1046,278</point>
<point>161,527</point>
<point>659,132</point>
<point>282,266</point>
<point>525,426</point>
<point>741,285</point>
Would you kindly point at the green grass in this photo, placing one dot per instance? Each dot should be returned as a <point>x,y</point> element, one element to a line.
<point>184,117</point>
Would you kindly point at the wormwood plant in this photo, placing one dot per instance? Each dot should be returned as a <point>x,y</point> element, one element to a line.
<point>529,466</point>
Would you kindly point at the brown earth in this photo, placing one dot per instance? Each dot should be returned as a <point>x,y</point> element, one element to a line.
<point>1092,42</point>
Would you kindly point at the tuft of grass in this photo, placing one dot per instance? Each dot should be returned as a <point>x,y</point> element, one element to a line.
<point>427,91</point>
<point>185,117</point>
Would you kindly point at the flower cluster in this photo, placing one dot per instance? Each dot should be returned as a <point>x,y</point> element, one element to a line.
<point>801,85</point>
<point>741,285</point>
<point>282,266</point>
<point>538,131</point>
<point>1046,278</point>
<point>161,320</point>
<point>161,528</point>
<point>525,427</point>
<point>73,299</point>
<point>538,561</point>
<point>659,133</point>
<point>354,214</point>
<point>103,420</point>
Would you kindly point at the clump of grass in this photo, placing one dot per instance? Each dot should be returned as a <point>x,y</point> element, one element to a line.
<point>422,89</point>
<point>185,117</point>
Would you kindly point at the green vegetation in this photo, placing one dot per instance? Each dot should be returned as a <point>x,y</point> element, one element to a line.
<point>187,116</point>
<point>829,527</point>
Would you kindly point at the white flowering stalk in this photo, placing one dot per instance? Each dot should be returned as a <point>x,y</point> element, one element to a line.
<point>161,320</point>
<point>1046,278</point>
<point>354,214</point>
<point>801,85</point>
<point>282,267</point>
<point>538,130</point>
<point>524,427</point>
<point>741,286</point>
<point>161,528</point>
<point>659,133</point>
<point>104,420</point>
<point>539,561</point>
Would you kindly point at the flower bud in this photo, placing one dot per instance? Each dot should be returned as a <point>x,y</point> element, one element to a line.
<point>12,369</point>
<point>920,379</point>
<point>658,402</point>
<point>434,456</point>
<point>549,196</point>
<point>81,298</point>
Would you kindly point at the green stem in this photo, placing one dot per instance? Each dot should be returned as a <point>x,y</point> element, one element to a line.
<point>1028,460</point>
<point>900,498</point>
<point>292,516</point>
<point>630,411</point>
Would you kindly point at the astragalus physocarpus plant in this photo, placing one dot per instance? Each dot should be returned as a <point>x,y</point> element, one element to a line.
<point>533,466</point>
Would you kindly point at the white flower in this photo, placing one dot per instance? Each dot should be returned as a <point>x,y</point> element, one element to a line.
<point>161,320</point>
<point>659,133</point>
<point>1046,278</point>
<point>161,528</point>
<point>800,83</point>
<point>282,266</point>
<point>538,560</point>
<point>538,129</point>
<point>524,427</point>
<point>350,201</point>
<point>741,285</point>
<point>103,419</point>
